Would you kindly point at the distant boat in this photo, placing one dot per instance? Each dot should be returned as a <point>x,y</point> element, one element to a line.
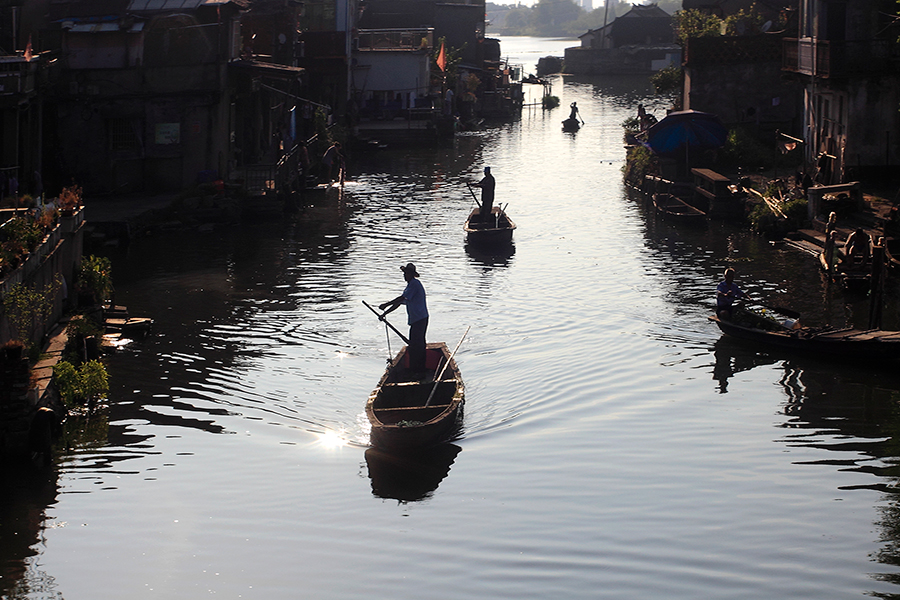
<point>412,410</point>
<point>571,125</point>
<point>676,209</point>
<point>494,230</point>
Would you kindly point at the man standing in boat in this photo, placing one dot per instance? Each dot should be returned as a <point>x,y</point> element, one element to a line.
<point>487,184</point>
<point>417,315</point>
<point>726,293</point>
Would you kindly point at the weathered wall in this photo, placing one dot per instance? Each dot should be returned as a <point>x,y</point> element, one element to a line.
<point>723,89</point>
<point>740,80</point>
<point>873,127</point>
<point>60,253</point>
<point>622,61</point>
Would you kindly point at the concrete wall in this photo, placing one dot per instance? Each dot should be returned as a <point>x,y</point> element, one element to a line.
<point>723,90</point>
<point>60,253</point>
<point>612,61</point>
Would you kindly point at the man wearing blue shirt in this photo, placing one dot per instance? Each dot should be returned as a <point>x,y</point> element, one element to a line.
<point>417,315</point>
<point>726,293</point>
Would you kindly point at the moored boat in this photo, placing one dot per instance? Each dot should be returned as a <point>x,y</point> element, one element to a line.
<point>497,228</point>
<point>674,208</point>
<point>416,409</point>
<point>846,344</point>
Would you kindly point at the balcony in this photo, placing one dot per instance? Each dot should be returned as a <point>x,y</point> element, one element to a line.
<point>395,39</point>
<point>828,59</point>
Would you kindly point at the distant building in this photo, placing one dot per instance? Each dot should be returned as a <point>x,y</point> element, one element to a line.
<point>640,41</point>
<point>643,25</point>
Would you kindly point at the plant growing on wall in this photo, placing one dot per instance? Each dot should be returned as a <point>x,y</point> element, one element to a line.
<point>692,23</point>
<point>29,308</point>
<point>94,278</point>
<point>23,231</point>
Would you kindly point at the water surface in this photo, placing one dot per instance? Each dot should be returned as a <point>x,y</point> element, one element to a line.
<point>614,445</point>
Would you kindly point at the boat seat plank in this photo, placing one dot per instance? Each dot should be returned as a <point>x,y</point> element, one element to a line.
<point>410,408</point>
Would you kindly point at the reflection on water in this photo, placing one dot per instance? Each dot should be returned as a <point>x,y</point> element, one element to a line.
<point>409,477</point>
<point>491,257</point>
<point>27,493</point>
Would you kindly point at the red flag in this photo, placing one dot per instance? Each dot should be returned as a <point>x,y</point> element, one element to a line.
<point>442,58</point>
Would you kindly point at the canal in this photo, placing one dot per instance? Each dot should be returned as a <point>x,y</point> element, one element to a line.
<point>614,445</point>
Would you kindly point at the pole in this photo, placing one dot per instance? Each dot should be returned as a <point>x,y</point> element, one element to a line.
<point>437,377</point>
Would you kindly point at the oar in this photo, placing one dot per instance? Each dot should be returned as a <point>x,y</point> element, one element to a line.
<point>473,195</point>
<point>437,377</point>
<point>382,318</point>
<point>503,213</point>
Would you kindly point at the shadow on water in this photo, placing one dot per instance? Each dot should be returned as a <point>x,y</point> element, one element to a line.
<point>490,257</point>
<point>409,477</point>
<point>27,494</point>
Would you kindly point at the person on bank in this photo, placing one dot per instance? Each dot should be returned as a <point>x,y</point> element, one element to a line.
<point>417,315</point>
<point>487,185</point>
<point>726,293</point>
<point>859,246</point>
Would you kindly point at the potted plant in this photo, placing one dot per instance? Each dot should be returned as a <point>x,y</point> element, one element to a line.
<point>70,200</point>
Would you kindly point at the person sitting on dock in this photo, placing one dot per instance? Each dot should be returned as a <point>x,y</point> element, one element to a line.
<point>487,185</point>
<point>726,293</point>
<point>417,315</point>
<point>858,247</point>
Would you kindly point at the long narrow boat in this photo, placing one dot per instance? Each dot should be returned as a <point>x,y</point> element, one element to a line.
<point>495,230</point>
<point>399,408</point>
<point>674,208</point>
<point>846,344</point>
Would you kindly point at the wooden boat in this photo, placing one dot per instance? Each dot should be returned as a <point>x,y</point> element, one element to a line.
<point>846,344</point>
<point>399,409</point>
<point>674,208</point>
<point>495,230</point>
<point>571,125</point>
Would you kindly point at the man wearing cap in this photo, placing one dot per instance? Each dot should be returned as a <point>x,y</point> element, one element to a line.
<point>487,192</point>
<point>417,315</point>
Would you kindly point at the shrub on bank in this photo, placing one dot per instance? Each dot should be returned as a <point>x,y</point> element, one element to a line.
<point>764,221</point>
<point>83,385</point>
<point>639,162</point>
<point>748,152</point>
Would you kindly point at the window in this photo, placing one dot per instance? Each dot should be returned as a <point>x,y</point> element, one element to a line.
<point>122,135</point>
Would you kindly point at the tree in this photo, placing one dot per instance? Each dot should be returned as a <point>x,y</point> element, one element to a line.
<point>692,23</point>
<point>555,17</point>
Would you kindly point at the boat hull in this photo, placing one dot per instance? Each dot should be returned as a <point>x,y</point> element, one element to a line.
<point>845,344</point>
<point>398,409</point>
<point>496,230</point>
<point>674,208</point>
